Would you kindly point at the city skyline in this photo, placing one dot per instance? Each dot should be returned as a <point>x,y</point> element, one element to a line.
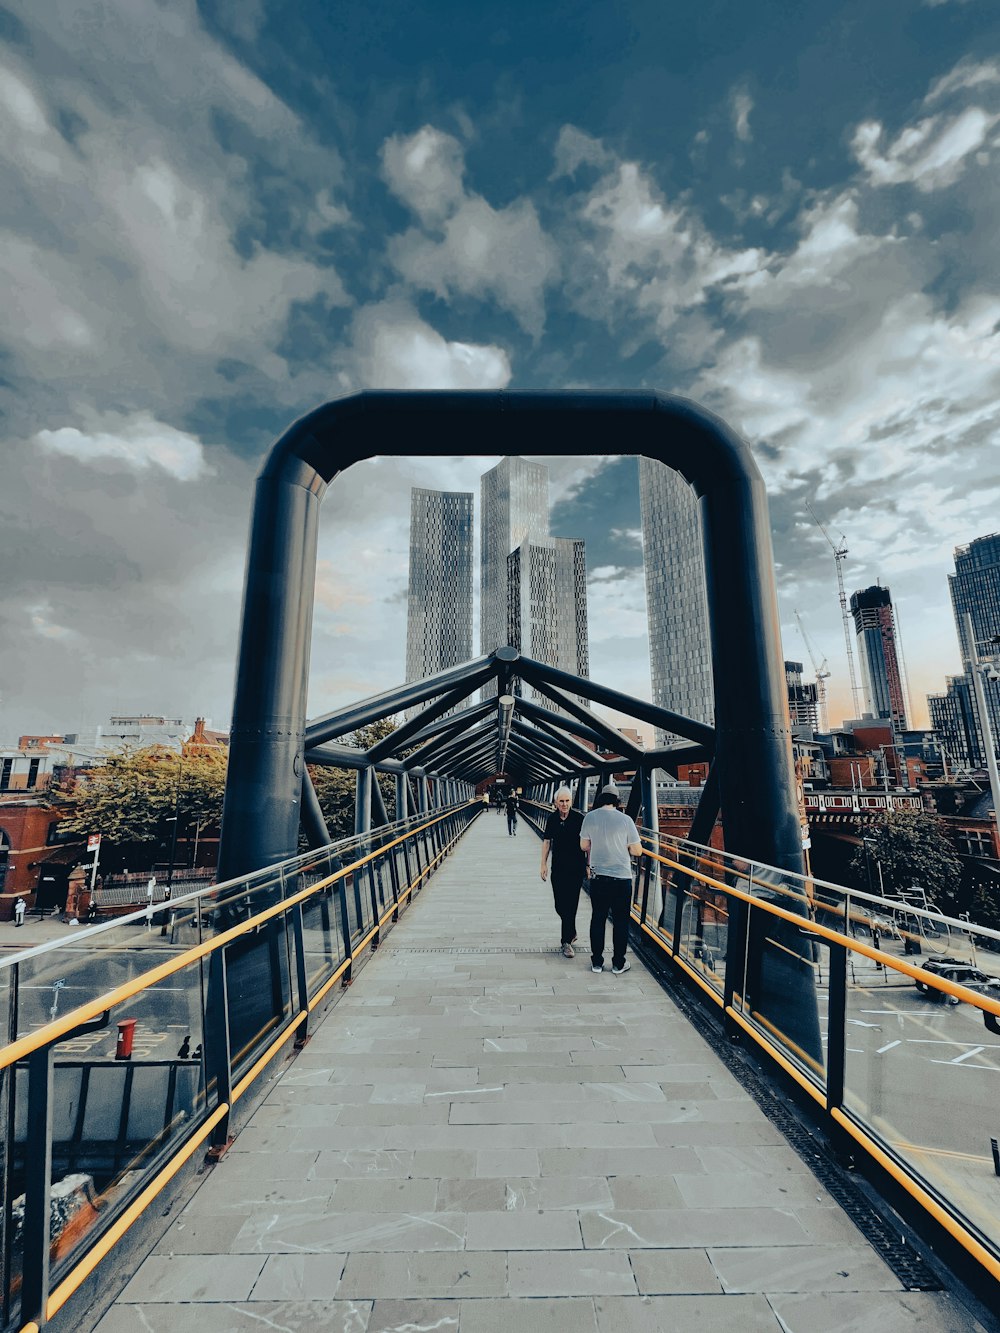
<point>278,210</point>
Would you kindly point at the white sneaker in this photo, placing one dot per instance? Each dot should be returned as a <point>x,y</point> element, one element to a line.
<point>624,968</point>
<point>568,951</point>
<point>595,967</point>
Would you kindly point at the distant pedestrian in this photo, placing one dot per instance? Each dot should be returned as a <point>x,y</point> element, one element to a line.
<point>561,843</point>
<point>196,1053</point>
<point>609,838</point>
<point>20,907</point>
<point>512,808</point>
<point>92,911</point>
<point>185,1051</point>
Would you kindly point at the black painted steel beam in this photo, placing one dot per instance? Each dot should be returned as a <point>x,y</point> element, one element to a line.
<point>378,706</point>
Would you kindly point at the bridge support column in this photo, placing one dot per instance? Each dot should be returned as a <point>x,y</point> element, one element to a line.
<point>363,801</point>
<point>379,813</point>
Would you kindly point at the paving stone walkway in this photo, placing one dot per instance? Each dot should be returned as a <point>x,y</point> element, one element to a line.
<point>485,1135</point>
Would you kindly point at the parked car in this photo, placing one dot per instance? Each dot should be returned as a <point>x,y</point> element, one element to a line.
<point>962,974</point>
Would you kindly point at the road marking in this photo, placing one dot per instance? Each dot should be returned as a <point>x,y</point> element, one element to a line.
<point>944,1041</point>
<point>882,1049</point>
<point>858,1023</point>
<point>952,1063</point>
<point>968,1054</point>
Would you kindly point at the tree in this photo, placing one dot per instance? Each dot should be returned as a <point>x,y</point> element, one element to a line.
<point>133,798</point>
<point>910,848</point>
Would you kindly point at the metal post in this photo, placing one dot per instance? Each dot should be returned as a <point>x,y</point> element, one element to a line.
<point>298,938</point>
<point>363,801</point>
<point>37,1190</point>
<point>218,1054</point>
<point>402,803</point>
<point>836,1027</point>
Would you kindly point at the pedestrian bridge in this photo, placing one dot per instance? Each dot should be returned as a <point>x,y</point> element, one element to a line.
<point>360,1087</point>
<point>476,1133</point>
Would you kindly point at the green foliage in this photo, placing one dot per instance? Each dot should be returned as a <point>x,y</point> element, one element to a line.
<point>985,907</point>
<point>133,797</point>
<point>910,848</point>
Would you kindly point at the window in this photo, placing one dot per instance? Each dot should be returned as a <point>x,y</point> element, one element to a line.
<point>57,835</point>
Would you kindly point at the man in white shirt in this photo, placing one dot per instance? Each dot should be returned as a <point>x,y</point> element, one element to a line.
<point>609,838</point>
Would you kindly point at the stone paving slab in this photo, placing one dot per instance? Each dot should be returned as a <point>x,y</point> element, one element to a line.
<point>485,1135</point>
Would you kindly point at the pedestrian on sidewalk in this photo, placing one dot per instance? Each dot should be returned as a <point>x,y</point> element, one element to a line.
<point>20,907</point>
<point>512,809</point>
<point>561,843</point>
<point>609,838</point>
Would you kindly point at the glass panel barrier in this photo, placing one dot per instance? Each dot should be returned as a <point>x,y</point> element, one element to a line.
<point>922,1067</point>
<point>123,1097</point>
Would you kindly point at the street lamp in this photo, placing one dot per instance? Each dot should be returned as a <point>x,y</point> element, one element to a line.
<point>975,671</point>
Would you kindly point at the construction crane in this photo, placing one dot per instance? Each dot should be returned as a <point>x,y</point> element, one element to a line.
<point>840,555</point>
<point>822,676</point>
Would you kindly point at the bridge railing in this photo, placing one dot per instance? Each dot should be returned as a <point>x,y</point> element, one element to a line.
<point>162,1021</point>
<point>909,1057</point>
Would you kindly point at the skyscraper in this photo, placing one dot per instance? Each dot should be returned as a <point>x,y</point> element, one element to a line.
<point>439,600</point>
<point>875,627</point>
<point>547,601</point>
<point>975,591</point>
<point>680,656</point>
<point>514,505</point>
<point>803,698</point>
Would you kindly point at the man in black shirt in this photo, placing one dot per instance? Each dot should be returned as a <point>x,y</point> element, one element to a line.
<point>561,841</point>
<point>512,806</point>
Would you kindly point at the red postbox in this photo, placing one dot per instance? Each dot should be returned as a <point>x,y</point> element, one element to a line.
<point>126,1036</point>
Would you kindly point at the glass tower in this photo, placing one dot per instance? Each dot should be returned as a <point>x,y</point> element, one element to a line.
<point>875,626</point>
<point>975,591</point>
<point>439,599</point>
<point>680,655</point>
<point>514,505</point>
<point>547,605</point>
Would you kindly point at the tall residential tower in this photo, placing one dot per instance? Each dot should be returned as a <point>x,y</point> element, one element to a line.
<point>975,591</point>
<point>875,626</point>
<point>680,654</point>
<point>547,601</point>
<point>439,601</point>
<point>514,505</point>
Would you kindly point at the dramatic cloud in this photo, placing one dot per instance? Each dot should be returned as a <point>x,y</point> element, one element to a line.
<point>395,349</point>
<point>931,154</point>
<point>201,238</point>
<point>140,443</point>
<point>473,249</point>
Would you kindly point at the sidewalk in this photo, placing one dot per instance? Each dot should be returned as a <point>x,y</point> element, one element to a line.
<point>485,1135</point>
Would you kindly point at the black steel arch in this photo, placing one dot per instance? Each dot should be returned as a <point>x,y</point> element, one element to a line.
<point>269,732</point>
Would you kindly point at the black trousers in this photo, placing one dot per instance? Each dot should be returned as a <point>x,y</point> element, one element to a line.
<point>566,895</point>
<point>614,896</point>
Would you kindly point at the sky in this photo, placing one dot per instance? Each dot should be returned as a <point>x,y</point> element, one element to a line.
<point>216,216</point>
